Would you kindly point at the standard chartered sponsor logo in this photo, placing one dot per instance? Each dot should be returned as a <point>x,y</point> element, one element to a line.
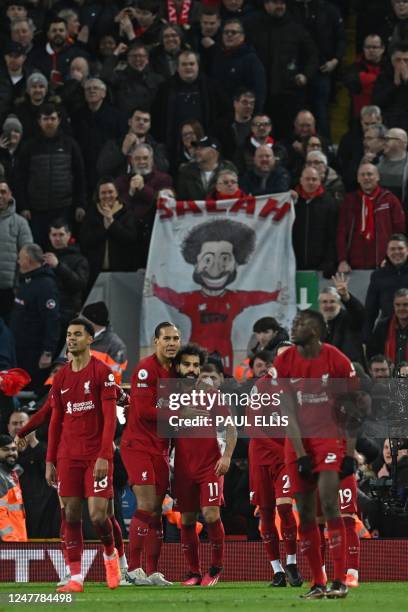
<point>80,406</point>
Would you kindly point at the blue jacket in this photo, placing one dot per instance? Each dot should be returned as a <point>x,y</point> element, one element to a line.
<point>35,318</point>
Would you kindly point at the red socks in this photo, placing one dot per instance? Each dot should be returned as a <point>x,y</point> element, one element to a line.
<point>190,545</point>
<point>322,541</point>
<point>352,544</point>
<point>139,528</point>
<point>62,536</point>
<point>310,547</point>
<point>74,546</point>
<point>269,533</point>
<point>117,536</point>
<point>105,533</point>
<point>153,544</point>
<point>288,528</point>
<point>337,546</point>
<point>216,535</point>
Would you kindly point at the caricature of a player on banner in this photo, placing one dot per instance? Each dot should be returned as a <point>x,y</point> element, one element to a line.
<point>214,268</point>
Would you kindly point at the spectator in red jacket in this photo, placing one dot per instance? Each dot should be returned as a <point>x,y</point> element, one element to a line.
<point>367,219</point>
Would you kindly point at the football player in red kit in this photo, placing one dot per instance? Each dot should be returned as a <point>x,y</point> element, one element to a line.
<point>270,484</point>
<point>146,456</point>
<point>80,442</point>
<point>199,469</point>
<point>315,462</point>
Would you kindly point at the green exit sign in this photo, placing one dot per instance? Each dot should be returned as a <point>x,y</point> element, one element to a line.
<point>307,290</point>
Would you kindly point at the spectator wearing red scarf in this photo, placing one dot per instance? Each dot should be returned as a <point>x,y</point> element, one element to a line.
<point>226,187</point>
<point>367,219</point>
<point>314,229</point>
<point>390,335</point>
<point>182,12</point>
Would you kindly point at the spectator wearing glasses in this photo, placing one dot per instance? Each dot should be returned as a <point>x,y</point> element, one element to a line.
<point>234,129</point>
<point>236,65</point>
<point>226,187</point>
<point>93,125</point>
<point>137,83</point>
<point>373,142</point>
<point>261,134</point>
<point>164,56</point>
<point>393,166</point>
<point>360,77</point>
<point>331,181</point>
<point>191,132</point>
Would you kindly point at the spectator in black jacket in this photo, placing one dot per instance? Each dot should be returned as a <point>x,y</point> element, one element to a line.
<point>266,176</point>
<point>260,134</point>
<point>234,129</point>
<point>114,158</point>
<point>390,335</point>
<point>93,125</point>
<point>35,315</point>
<point>391,88</point>
<point>41,505</point>
<point>53,58</point>
<point>134,85</point>
<point>12,77</point>
<point>71,270</point>
<point>163,58</point>
<point>314,229</point>
<point>51,176</point>
<point>289,56</point>
<point>351,148</point>
<point>344,315</point>
<point>204,36</point>
<point>236,65</point>
<point>109,234</point>
<point>188,94</point>
<point>385,281</point>
<point>325,25</point>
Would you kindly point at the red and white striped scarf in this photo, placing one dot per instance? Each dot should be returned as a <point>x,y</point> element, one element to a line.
<point>182,18</point>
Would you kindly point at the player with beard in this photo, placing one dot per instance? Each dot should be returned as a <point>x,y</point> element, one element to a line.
<point>315,462</point>
<point>146,456</point>
<point>81,435</point>
<point>199,470</point>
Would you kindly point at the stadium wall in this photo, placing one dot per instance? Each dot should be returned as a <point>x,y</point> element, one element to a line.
<point>381,560</point>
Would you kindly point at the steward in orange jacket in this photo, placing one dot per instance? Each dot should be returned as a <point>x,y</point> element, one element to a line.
<point>12,515</point>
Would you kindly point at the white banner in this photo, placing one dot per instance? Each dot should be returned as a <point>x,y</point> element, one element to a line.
<point>214,268</point>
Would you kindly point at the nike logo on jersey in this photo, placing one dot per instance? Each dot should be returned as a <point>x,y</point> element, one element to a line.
<point>294,380</point>
<point>331,458</point>
<point>99,490</point>
<point>211,499</point>
<point>64,391</point>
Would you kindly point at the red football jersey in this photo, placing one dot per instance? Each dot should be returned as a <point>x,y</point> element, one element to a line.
<point>195,456</point>
<point>312,381</point>
<point>140,432</point>
<point>266,445</point>
<point>83,418</point>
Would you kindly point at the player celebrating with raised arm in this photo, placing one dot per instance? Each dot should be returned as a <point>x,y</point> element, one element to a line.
<point>315,462</point>
<point>81,434</point>
<point>199,470</point>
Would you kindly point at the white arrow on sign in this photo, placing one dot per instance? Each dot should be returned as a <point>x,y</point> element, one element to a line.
<point>303,304</point>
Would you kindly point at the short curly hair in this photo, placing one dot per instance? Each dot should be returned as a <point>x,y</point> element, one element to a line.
<point>239,235</point>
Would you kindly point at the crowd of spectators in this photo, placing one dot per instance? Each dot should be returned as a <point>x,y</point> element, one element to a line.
<point>104,105</point>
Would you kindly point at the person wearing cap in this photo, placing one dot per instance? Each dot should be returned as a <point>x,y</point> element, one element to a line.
<point>14,234</point>
<point>26,108</point>
<point>106,346</point>
<point>188,94</point>
<point>12,77</point>
<point>10,139</point>
<point>198,178</point>
<point>12,516</point>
